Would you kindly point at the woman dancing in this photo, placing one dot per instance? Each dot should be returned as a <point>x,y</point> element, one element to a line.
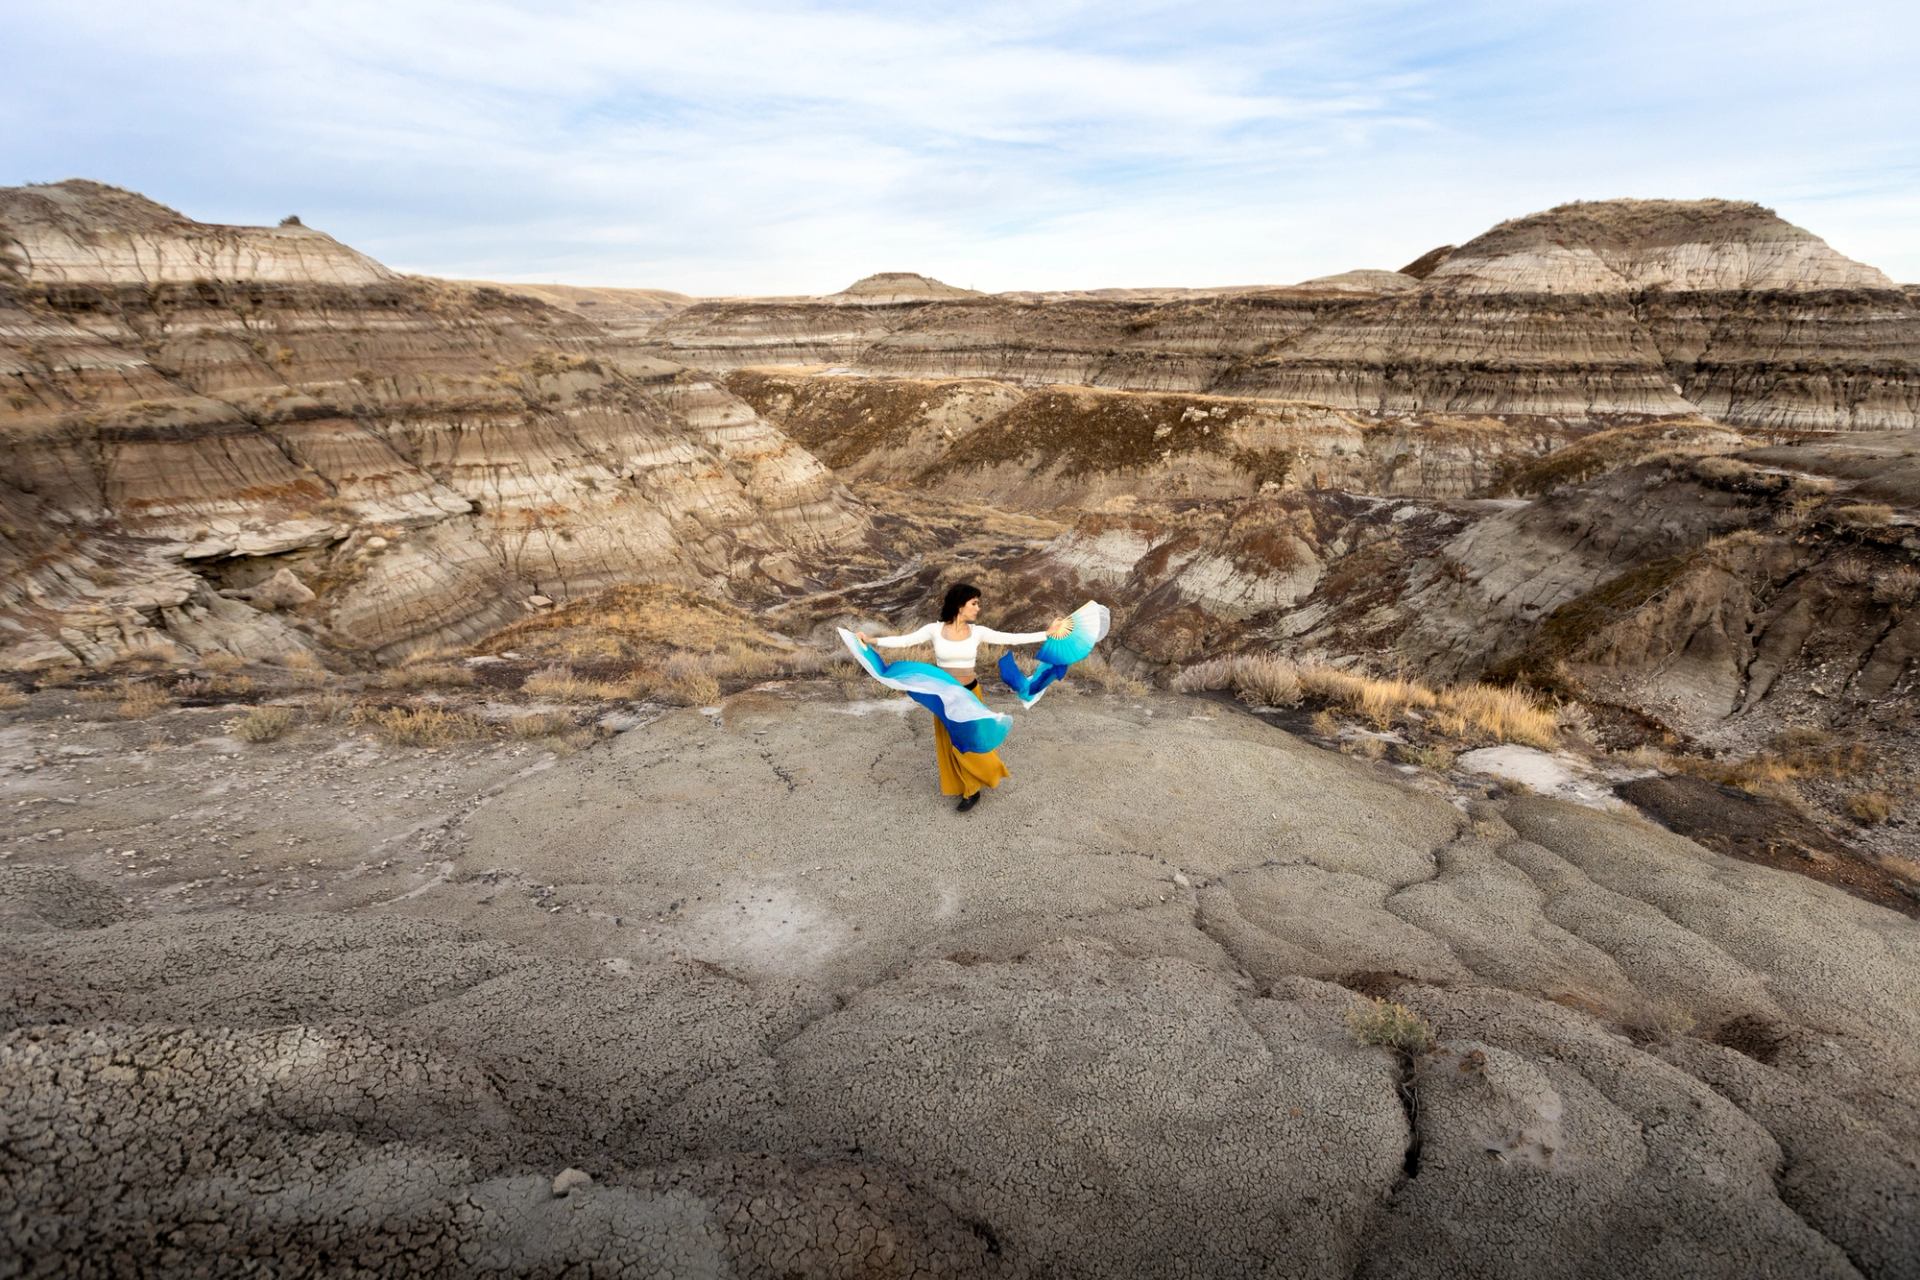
<point>956,639</point>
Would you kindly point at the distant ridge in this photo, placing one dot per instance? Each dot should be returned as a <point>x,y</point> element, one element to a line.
<point>1614,246</point>
<point>887,288</point>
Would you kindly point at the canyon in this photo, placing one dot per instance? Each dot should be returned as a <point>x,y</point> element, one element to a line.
<point>443,836</point>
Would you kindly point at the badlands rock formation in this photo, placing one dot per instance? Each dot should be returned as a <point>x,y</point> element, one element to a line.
<point>192,411</point>
<point>1584,311</point>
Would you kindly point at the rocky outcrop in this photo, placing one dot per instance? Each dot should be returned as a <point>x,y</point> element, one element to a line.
<point>80,232</point>
<point>892,288</point>
<point>1629,246</point>
<point>420,456</point>
<point>1587,311</point>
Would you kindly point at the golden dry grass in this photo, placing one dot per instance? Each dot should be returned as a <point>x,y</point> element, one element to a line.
<point>13,699</point>
<point>1863,515</point>
<point>1797,753</point>
<point>138,701</point>
<point>1104,675</point>
<point>687,680</point>
<point>1503,713</point>
<point>562,685</point>
<point>540,724</point>
<point>261,724</point>
<point>220,662</point>
<point>1869,808</point>
<point>1430,756</point>
<point>1391,1026</point>
<point>420,726</point>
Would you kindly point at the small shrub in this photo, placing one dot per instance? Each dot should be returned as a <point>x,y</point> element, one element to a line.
<point>1869,808</point>
<point>1432,756</point>
<point>332,707</point>
<point>224,685</point>
<point>261,724</point>
<point>687,681</point>
<point>1391,1026</point>
<point>540,724</point>
<point>138,701</point>
<point>420,726</point>
<point>1802,738</point>
<point>220,662</point>
<point>1851,571</point>
<point>1325,724</point>
<point>1899,586</point>
<point>1863,515</point>
<point>1366,746</point>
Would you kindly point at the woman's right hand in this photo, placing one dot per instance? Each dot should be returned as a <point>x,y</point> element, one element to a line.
<point>861,636</point>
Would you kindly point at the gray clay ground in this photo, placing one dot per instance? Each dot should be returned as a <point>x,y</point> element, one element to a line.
<point>322,1006</point>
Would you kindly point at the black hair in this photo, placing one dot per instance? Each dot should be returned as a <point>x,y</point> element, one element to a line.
<point>957,596</point>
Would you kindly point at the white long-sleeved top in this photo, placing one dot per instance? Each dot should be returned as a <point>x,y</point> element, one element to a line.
<point>958,655</point>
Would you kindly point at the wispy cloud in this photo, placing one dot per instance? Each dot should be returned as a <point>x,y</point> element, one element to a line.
<point>755,146</point>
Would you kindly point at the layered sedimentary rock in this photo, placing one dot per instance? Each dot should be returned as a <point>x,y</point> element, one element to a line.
<point>1069,448</point>
<point>1623,246</point>
<point>87,231</point>
<point>1587,310</point>
<point>624,314</point>
<point>422,456</point>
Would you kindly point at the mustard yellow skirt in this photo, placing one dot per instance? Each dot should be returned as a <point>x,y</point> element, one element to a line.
<point>964,772</point>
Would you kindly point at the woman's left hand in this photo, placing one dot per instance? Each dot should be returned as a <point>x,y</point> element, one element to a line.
<point>1059,627</point>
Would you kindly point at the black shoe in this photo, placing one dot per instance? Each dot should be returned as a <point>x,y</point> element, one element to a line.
<point>968,803</point>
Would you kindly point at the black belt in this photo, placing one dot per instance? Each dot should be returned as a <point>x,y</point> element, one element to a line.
<point>972,684</point>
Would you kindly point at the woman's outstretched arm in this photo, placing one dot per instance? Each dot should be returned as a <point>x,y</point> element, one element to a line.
<point>923,635</point>
<point>1058,627</point>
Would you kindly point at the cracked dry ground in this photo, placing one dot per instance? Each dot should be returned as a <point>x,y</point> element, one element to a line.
<point>797,1018</point>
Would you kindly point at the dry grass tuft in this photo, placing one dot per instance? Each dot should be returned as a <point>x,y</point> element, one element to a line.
<point>420,726</point>
<point>332,708</point>
<point>228,684</point>
<point>562,685</point>
<point>1325,724</point>
<point>1851,571</point>
<point>1505,714</point>
<point>1869,808</point>
<point>1899,586</point>
<point>138,701</point>
<point>1104,675</point>
<point>688,681</point>
<point>1366,746</point>
<point>1803,752</point>
<point>1431,756</point>
<point>261,724</point>
<point>221,662</point>
<point>1863,515</point>
<point>1391,1026</point>
<point>541,724</point>
<point>428,676</point>
<point>13,699</point>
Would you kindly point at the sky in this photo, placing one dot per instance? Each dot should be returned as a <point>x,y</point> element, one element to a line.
<point>753,147</point>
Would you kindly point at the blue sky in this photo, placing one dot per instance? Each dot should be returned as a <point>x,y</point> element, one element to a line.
<point>744,146</point>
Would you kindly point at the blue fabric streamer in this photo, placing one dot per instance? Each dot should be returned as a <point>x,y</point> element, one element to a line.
<point>1091,622</point>
<point>969,723</point>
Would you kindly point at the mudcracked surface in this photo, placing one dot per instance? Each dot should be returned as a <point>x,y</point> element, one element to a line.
<point>746,970</point>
